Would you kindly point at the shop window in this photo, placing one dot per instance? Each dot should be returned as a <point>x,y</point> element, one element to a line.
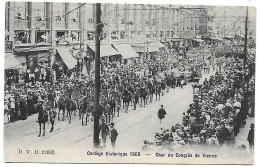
<point>22,37</point>
<point>41,37</point>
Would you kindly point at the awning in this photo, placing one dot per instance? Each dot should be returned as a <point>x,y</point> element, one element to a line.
<point>105,50</point>
<point>197,40</point>
<point>153,43</point>
<point>32,49</point>
<point>66,56</point>
<point>11,62</point>
<point>140,49</point>
<point>126,51</point>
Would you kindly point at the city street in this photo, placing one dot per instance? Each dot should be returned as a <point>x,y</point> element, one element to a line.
<point>133,127</point>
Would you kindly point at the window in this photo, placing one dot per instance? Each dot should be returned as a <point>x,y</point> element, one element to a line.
<point>38,10</point>
<point>61,37</point>
<point>90,35</point>
<point>41,37</point>
<point>74,15</point>
<point>74,36</point>
<point>20,8</point>
<point>122,35</point>
<point>22,37</point>
<point>148,34</point>
<point>161,34</point>
<point>154,21</point>
<point>168,34</point>
<point>172,33</point>
<point>154,34</point>
<point>114,35</point>
<point>59,11</point>
<point>132,34</point>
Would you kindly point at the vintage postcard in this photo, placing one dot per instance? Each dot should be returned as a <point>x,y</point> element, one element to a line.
<point>129,83</point>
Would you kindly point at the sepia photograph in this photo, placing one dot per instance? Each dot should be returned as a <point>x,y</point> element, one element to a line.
<point>129,83</point>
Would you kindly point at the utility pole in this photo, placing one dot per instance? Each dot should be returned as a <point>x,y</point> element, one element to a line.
<point>224,26</point>
<point>97,75</point>
<point>245,49</point>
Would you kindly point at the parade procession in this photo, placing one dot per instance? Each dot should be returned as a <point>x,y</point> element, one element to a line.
<point>129,76</point>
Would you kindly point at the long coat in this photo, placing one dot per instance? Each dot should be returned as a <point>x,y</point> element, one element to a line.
<point>114,134</point>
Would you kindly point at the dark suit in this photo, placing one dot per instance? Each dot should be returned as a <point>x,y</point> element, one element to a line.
<point>113,136</point>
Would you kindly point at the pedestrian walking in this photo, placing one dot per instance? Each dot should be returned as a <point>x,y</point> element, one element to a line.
<point>250,137</point>
<point>104,131</point>
<point>161,115</point>
<point>113,134</point>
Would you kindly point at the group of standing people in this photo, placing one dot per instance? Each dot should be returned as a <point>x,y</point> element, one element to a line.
<point>217,113</point>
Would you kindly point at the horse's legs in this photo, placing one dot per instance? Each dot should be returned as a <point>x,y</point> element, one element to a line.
<point>70,112</point>
<point>52,125</point>
<point>82,119</point>
<point>63,114</point>
<point>43,129</point>
<point>40,130</point>
<point>86,119</point>
<point>59,115</point>
<point>80,113</point>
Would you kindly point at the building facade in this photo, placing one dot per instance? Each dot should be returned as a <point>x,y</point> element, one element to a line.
<point>37,28</point>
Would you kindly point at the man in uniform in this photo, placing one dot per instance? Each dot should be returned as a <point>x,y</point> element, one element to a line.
<point>161,115</point>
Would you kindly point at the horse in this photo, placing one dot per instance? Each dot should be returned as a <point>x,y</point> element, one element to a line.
<point>150,88</point>
<point>52,114</point>
<point>158,90</point>
<point>42,117</point>
<point>71,106</point>
<point>61,106</point>
<point>84,108</point>
<point>143,94</point>
<point>125,97</point>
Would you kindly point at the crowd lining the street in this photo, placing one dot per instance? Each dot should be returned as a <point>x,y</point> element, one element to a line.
<point>219,110</point>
